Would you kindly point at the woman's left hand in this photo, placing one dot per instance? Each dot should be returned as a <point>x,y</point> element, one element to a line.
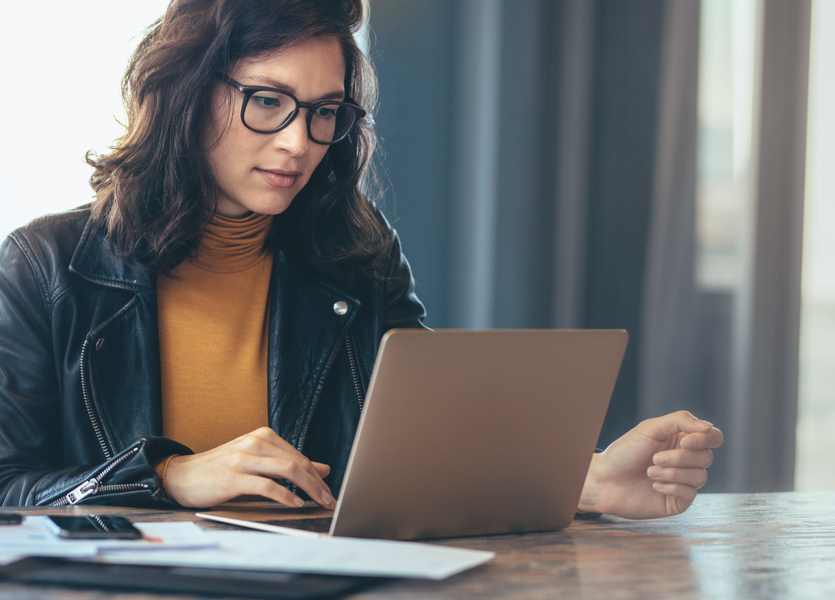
<point>653,470</point>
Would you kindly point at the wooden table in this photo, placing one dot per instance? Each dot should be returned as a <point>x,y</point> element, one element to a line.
<point>725,546</point>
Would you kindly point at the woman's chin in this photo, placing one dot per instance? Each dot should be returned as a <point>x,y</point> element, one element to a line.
<point>263,206</point>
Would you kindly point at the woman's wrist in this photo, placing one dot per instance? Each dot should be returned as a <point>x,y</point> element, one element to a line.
<point>590,496</point>
<point>161,467</point>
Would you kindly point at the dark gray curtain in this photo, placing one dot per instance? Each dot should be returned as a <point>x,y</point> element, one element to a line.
<point>764,374</point>
<point>541,160</point>
<point>732,356</point>
<point>504,122</point>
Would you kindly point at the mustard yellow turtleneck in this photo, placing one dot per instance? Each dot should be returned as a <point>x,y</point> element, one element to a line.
<point>213,322</point>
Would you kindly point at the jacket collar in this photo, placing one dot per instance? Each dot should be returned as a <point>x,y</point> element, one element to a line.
<point>95,260</point>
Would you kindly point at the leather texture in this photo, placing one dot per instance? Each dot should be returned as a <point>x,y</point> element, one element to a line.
<point>69,305</point>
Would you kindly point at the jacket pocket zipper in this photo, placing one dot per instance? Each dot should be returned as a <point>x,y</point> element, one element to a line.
<point>86,391</point>
<point>93,486</point>
<point>357,385</point>
<point>354,370</point>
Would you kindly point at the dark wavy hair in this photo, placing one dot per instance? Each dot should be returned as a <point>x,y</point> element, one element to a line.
<point>154,190</point>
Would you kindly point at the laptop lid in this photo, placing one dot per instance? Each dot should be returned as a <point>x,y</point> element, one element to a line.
<point>477,432</point>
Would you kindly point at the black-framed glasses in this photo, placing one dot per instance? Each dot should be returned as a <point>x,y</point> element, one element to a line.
<point>267,110</point>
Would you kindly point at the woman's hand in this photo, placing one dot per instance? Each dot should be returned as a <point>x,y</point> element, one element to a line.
<point>653,470</point>
<point>246,465</point>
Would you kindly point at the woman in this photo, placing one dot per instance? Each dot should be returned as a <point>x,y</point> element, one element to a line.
<point>229,286</point>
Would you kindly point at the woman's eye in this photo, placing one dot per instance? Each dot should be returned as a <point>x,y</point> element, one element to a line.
<point>267,101</point>
<point>327,112</point>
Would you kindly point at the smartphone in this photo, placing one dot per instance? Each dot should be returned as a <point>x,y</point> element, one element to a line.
<point>93,527</point>
<point>9,518</point>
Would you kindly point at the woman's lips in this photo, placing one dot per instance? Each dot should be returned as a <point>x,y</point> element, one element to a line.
<point>279,179</point>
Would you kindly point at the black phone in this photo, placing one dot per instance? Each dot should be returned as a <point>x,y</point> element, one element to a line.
<point>9,518</point>
<point>93,527</point>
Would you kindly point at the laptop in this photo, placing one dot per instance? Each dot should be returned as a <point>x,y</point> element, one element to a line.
<point>467,433</point>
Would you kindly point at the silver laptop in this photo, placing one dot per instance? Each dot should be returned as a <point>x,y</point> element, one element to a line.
<point>472,433</point>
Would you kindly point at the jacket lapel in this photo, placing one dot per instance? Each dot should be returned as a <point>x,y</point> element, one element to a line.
<point>95,260</point>
<point>123,339</point>
<point>305,334</point>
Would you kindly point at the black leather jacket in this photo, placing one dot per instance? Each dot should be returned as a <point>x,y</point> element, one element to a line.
<point>80,408</point>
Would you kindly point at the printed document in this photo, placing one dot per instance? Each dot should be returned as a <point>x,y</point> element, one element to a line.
<point>323,555</point>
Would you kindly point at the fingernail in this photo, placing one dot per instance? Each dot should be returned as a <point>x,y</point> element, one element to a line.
<point>327,500</point>
<point>705,424</point>
<point>660,459</point>
<point>298,501</point>
<point>655,472</point>
<point>658,486</point>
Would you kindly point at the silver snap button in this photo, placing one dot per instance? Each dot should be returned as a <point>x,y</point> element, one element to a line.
<point>99,344</point>
<point>340,307</point>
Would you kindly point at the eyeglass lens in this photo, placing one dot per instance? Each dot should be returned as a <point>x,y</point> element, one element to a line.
<point>268,111</point>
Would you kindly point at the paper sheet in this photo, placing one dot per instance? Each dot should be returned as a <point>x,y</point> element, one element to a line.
<point>186,544</point>
<point>32,538</point>
<point>336,556</point>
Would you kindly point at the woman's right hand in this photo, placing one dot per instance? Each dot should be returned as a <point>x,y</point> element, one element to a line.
<point>246,465</point>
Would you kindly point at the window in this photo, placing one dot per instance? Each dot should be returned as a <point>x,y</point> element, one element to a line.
<point>76,52</point>
<point>815,468</point>
<point>726,82</point>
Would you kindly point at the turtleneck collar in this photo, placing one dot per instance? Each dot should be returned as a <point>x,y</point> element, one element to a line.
<point>232,245</point>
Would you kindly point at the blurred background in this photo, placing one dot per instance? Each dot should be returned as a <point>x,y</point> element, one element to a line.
<point>661,166</point>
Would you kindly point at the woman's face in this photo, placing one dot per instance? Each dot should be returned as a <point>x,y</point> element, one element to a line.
<point>262,173</point>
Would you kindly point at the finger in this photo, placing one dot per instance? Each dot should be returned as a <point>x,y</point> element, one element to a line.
<point>265,442</point>
<point>684,493</point>
<point>276,446</point>
<point>662,428</point>
<point>291,469</point>
<point>694,478</point>
<point>261,486</point>
<point>684,458</point>
<point>710,439</point>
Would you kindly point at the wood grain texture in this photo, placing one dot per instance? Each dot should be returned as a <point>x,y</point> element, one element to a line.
<point>725,546</point>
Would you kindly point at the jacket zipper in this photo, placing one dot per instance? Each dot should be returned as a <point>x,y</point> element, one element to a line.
<point>357,385</point>
<point>354,370</point>
<point>86,391</point>
<point>92,486</point>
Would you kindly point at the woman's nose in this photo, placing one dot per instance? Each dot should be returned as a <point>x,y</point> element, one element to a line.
<point>293,138</point>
